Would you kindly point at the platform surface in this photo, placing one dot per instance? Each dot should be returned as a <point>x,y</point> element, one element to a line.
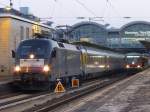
<point>130,95</point>
<point>133,98</point>
<point>5,79</point>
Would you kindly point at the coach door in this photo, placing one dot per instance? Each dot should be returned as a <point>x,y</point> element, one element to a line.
<point>83,58</point>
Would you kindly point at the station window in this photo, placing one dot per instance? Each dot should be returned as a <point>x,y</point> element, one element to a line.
<point>27,33</point>
<point>32,32</point>
<point>21,32</point>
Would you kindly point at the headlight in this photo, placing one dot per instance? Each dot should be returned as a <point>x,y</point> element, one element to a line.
<point>31,56</point>
<point>46,68</point>
<point>17,69</point>
<point>127,66</point>
<point>139,66</point>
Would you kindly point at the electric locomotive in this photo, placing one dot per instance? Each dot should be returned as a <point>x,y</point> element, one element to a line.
<point>41,61</point>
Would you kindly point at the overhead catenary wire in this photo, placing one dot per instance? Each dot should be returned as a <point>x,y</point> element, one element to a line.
<point>112,6</point>
<point>106,13</point>
<point>104,10</point>
<point>86,8</point>
<point>53,9</point>
<point>125,18</point>
<point>60,3</point>
<point>109,4</point>
<point>19,3</point>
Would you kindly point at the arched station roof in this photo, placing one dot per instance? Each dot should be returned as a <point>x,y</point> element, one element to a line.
<point>87,23</point>
<point>134,23</point>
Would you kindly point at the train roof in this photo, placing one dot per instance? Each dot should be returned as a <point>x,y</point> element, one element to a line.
<point>74,45</point>
<point>33,39</point>
<point>87,44</point>
<point>133,54</point>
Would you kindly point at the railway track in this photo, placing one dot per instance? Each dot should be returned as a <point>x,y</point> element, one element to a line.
<point>9,94</point>
<point>6,91</point>
<point>50,105</point>
<point>49,100</point>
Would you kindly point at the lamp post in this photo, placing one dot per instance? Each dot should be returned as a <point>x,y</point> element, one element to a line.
<point>8,8</point>
<point>10,3</point>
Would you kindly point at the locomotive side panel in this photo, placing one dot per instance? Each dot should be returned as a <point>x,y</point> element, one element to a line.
<point>68,63</point>
<point>73,63</point>
<point>60,65</point>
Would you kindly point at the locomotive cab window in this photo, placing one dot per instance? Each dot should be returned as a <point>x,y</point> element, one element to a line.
<point>39,49</point>
<point>61,44</point>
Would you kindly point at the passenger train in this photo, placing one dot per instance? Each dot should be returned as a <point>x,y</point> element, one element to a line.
<point>136,61</point>
<point>41,61</point>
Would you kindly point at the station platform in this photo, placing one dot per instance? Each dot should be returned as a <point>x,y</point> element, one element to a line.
<point>6,79</point>
<point>129,95</point>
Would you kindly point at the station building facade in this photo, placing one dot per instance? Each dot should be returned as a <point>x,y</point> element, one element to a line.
<point>15,27</point>
<point>127,38</point>
<point>132,33</point>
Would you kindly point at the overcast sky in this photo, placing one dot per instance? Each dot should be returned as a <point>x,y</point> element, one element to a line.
<point>66,11</point>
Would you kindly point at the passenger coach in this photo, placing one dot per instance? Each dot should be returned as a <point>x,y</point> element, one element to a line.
<point>136,60</point>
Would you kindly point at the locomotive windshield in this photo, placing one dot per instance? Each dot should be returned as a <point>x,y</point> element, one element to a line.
<point>130,60</point>
<point>133,59</point>
<point>39,48</point>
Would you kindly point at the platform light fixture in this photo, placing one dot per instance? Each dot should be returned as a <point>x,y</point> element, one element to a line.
<point>8,8</point>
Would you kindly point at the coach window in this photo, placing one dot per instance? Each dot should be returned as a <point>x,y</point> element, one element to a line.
<point>21,32</point>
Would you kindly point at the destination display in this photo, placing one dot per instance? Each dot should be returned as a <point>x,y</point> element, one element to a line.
<point>31,62</point>
<point>137,34</point>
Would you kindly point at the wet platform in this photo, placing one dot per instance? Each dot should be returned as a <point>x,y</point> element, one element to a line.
<point>129,95</point>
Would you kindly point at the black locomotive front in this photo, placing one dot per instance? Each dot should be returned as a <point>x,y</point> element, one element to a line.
<point>33,61</point>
